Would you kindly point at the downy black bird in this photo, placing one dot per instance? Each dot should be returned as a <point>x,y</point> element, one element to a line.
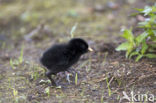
<point>61,57</point>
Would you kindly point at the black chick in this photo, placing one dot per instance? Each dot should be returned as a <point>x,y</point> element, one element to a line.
<point>61,57</point>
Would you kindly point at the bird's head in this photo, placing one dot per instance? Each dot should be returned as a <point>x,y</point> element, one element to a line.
<point>79,45</point>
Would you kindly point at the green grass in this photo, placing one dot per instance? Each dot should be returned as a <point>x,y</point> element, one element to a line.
<point>20,58</point>
<point>76,79</point>
<point>108,87</point>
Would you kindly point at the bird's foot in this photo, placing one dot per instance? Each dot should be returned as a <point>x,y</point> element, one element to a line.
<point>56,85</point>
<point>66,75</point>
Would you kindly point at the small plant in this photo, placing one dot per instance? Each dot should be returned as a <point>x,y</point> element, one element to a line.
<point>102,99</point>
<point>102,96</point>
<point>20,58</point>
<point>12,64</point>
<point>76,79</point>
<point>36,73</point>
<point>143,45</point>
<point>89,64</point>
<point>82,92</point>
<point>108,86</point>
<point>73,30</point>
<point>15,95</point>
<point>47,91</point>
<point>16,62</point>
<point>15,92</point>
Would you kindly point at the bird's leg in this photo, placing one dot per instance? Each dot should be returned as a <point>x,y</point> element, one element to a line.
<point>48,74</point>
<point>68,73</point>
<point>67,76</point>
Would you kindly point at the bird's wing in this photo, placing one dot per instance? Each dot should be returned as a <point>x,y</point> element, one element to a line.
<point>63,59</point>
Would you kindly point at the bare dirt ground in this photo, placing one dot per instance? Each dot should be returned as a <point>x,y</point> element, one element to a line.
<point>27,28</point>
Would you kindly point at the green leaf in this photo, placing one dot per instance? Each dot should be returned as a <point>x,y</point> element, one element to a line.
<point>154,31</point>
<point>134,14</point>
<point>128,35</point>
<point>130,49</point>
<point>150,55</point>
<point>124,46</point>
<point>144,47</point>
<point>138,9</point>
<point>144,23</point>
<point>133,54</point>
<point>76,79</point>
<point>137,45</point>
<point>147,10</point>
<point>141,37</point>
<point>138,58</point>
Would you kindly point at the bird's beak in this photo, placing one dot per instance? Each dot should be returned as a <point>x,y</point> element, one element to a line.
<point>90,49</point>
